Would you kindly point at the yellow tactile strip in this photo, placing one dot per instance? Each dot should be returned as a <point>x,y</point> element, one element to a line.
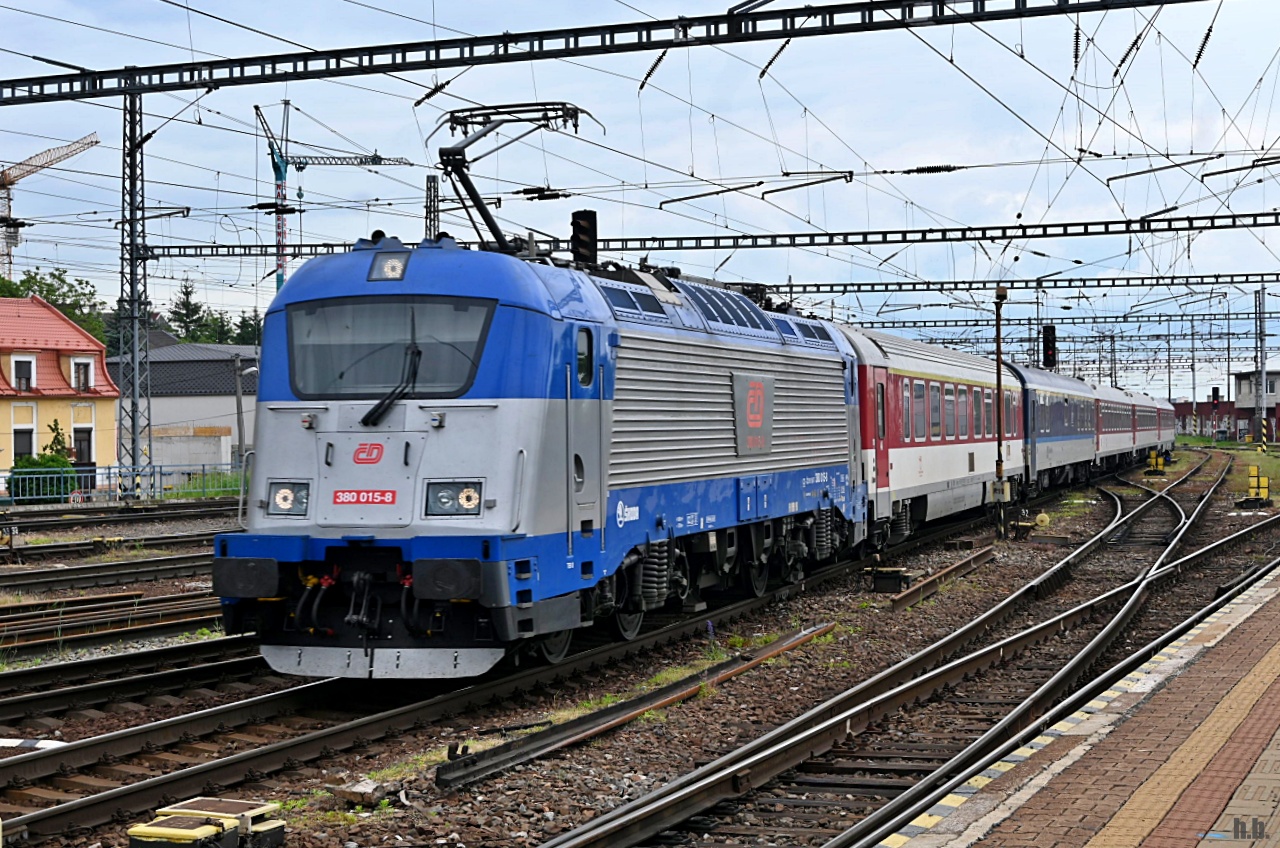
<point>1153,800</point>
<point>1139,680</point>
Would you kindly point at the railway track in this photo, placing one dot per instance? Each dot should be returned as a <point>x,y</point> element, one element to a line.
<point>52,626</point>
<point>287,746</point>
<point>67,787</point>
<point>103,544</point>
<point>874,754</point>
<point>65,677</point>
<point>70,519</point>
<point>124,572</point>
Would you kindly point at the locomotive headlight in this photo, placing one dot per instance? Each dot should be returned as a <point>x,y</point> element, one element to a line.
<point>289,498</point>
<point>453,498</point>
<point>389,266</point>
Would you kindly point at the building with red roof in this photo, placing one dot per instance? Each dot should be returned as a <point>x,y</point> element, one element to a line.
<point>53,370</point>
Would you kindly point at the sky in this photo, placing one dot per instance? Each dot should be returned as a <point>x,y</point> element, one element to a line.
<point>1039,118</point>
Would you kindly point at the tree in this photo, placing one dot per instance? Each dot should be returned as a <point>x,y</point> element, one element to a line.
<point>216,328</point>
<point>187,313</point>
<point>58,445</point>
<point>77,299</point>
<point>249,328</point>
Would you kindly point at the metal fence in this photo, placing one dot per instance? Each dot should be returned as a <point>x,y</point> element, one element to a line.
<point>114,483</point>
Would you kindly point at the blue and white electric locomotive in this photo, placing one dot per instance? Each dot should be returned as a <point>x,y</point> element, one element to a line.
<point>464,454</point>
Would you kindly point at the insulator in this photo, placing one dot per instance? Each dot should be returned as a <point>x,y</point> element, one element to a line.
<point>1203,45</point>
<point>1077,48</point>
<point>652,68</point>
<point>932,169</point>
<point>1132,47</point>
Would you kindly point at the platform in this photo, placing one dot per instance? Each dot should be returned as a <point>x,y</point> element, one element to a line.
<point>1184,753</point>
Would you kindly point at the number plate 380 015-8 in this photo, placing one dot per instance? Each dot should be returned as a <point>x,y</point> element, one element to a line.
<point>365,497</point>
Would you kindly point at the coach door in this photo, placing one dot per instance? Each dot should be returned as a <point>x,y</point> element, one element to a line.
<point>880,474</point>
<point>584,418</point>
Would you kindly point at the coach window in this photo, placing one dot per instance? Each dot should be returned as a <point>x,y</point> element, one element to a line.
<point>880,411</point>
<point>988,413</point>
<point>1008,414</point>
<point>906,410</point>
<point>949,410</point>
<point>962,410</point>
<point>919,411</point>
<point>935,411</point>
<point>586,357</point>
<point>977,413</point>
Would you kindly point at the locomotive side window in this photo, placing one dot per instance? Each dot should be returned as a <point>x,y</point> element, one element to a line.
<point>586,357</point>
<point>363,347</point>
<point>620,298</point>
<point>935,411</point>
<point>648,303</point>
<point>949,411</point>
<point>921,413</point>
<point>963,411</point>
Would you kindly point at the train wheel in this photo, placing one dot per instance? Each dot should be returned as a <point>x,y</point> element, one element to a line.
<point>755,577</point>
<point>554,647</point>
<point>626,625</point>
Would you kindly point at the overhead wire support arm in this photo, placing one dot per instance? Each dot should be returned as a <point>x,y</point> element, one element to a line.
<point>753,24</point>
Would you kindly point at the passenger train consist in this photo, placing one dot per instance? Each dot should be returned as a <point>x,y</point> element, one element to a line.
<point>463,455</point>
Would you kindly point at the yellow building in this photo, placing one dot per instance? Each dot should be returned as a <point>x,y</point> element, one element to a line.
<point>51,369</point>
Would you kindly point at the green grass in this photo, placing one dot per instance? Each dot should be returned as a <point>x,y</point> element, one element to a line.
<point>214,484</point>
<point>1268,465</point>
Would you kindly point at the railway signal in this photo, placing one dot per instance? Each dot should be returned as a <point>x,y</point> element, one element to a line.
<point>1050,337</point>
<point>583,238</point>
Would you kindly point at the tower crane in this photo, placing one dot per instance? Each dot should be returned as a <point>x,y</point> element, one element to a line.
<point>280,162</point>
<point>11,175</point>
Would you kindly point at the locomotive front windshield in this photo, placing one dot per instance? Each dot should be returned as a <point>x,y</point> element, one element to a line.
<point>365,347</point>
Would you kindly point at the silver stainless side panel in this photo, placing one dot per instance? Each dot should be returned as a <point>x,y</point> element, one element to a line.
<point>673,412</point>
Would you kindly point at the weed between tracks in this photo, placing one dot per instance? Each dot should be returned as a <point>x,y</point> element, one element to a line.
<point>128,552</point>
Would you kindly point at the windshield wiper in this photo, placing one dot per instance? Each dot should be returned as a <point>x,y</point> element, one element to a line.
<point>408,381</point>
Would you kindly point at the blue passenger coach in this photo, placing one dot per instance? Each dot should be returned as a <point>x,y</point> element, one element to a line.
<point>463,455</point>
<point>1060,417</point>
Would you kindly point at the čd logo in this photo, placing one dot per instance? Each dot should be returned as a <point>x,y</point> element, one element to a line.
<point>367,453</point>
<point>755,404</point>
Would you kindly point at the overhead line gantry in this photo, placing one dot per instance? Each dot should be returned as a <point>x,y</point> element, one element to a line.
<point>1009,233</point>
<point>563,43</point>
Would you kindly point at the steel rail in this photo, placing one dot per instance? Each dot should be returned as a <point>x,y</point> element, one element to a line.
<point>118,665</point>
<point>16,707</point>
<point>91,609</point>
<point>104,543</point>
<point>27,521</point>
<point>107,573</point>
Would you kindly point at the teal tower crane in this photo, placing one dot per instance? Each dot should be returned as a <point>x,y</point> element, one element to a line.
<point>280,162</point>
